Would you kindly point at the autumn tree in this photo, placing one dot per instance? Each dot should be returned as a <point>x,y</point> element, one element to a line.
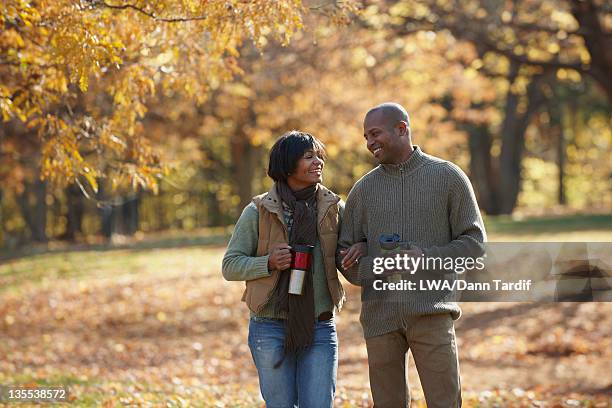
<point>80,74</point>
<point>323,82</point>
<point>77,79</point>
<point>522,47</point>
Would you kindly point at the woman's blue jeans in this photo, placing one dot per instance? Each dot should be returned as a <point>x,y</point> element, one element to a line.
<point>306,379</point>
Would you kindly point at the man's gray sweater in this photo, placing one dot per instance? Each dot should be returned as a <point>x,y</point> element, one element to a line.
<point>426,201</point>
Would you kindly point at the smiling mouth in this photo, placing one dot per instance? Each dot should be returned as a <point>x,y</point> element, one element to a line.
<point>318,171</point>
<point>375,151</point>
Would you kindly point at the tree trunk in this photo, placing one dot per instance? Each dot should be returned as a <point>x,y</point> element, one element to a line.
<point>129,214</point>
<point>245,159</point>
<point>481,168</point>
<point>597,42</point>
<point>2,232</point>
<point>513,142</point>
<point>76,209</point>
<point>40,210</point>
<point>509,158</point>
<point>106,211</point>
<point>162,225</point>
<point>121,217</point>
<point>561,166</point>
<point>556,125</point>
<point>213,210</point>
<point>33,206</point>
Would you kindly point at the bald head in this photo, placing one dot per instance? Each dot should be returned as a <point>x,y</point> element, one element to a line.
<point>391,113</point>
<point>386,129</point>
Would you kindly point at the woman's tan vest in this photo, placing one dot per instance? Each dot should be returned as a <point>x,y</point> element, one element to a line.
<point>272,230</point>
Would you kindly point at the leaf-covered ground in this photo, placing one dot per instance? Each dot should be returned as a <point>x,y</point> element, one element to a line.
<point>160,327</point>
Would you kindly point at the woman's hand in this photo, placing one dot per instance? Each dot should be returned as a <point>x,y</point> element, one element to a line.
<point>280,257</point>
<point>352,255</point>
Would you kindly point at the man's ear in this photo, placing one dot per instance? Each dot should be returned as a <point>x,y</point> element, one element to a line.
<point>402,128</point>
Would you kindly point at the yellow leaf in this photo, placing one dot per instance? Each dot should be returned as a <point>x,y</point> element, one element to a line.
<point>119,98</point>
<point>75,153</point>
<point>92,180</point>
<point>83,81</point>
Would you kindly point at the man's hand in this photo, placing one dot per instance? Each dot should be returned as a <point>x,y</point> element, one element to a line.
<point>413,252</point>
<point>280,257</point>
<point>352,255</point>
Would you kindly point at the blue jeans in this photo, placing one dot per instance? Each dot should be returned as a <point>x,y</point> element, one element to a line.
<point>306,379</point>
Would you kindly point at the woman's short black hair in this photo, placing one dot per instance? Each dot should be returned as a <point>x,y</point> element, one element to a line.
<point>288,150</point>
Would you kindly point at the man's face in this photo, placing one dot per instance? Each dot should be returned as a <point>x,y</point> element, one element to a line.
<point>383,138</point>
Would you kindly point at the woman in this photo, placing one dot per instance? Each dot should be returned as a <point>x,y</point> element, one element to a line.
<point>292,337</point>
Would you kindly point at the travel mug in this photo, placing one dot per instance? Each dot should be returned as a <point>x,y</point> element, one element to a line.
<point>390,243</point>
<point>301,259</point>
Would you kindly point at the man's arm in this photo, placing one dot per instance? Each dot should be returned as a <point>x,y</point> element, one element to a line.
<point>351,232</point>
<point>467,228</point>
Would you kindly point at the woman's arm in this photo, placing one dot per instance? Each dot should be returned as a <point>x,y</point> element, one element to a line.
<point>239,261</point>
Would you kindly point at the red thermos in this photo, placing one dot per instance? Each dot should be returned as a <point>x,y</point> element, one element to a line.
<point>300,263</point>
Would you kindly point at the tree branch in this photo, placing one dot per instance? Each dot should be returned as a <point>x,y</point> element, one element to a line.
<point>477,36</point>
<point>155,17</point>
<point>553,63</point>
<point>333,3</point>
<point>148,13</point>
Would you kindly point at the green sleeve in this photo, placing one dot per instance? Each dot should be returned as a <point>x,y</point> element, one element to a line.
<point>239,261</point>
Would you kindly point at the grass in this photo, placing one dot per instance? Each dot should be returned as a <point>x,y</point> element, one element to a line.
<point>53,380</point>
<point>46,268</point>
<point>167,239</point>
<point>152,323</point>
<point>92,392</point>
<point>39,265</point>
<point>549,225</point>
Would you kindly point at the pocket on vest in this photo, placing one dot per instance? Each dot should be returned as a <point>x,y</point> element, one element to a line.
<point>258,291</point>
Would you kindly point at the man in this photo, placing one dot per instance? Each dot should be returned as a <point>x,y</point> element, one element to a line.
<point>430,203</point>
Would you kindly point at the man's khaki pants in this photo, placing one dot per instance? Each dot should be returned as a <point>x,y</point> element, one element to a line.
<point>432,341</point>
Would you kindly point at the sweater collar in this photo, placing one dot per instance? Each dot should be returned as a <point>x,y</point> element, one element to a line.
<point>416,159</point>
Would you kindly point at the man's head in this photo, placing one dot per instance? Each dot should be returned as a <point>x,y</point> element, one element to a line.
<point>386,129</point>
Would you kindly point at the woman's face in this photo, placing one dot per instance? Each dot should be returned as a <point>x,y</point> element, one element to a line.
<point>309,171</point>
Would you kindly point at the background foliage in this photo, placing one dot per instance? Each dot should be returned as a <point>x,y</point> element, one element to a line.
<point>121,117</point>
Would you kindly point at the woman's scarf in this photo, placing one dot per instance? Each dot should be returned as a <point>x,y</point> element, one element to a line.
<point>299,309</point>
